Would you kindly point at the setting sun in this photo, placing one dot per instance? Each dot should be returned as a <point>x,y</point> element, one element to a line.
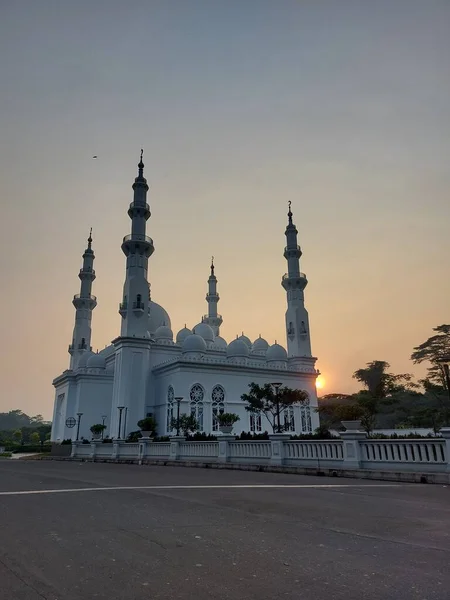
<point>320,383</point>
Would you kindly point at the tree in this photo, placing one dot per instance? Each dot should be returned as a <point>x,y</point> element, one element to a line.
<point>187,423</point>
<point>17,435</point>
<point>432,350</point>
<point>264,400</point>
<point>35,438</point>
<point>382,388</point>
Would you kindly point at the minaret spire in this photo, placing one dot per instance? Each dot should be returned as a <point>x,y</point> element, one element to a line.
<point>294,282</point>
<point>137,247</point>
<point>84,304</point>
<point>213,319</point>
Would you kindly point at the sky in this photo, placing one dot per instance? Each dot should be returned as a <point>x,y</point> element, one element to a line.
<point>342,108</point>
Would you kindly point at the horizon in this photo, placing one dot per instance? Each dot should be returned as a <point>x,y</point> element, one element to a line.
<point>343,110</point>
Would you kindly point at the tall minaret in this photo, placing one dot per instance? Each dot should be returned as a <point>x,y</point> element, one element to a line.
<point>137,247</point>
<point>213,319</point>
<point>84,303</point>
<point>294,282</point>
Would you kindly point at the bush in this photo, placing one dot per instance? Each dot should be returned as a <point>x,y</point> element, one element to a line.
<point>248,435</point>
<point>107,440</point>
<point>67,441</point>
<point>201,437</point>
<point>226,419</point>
<point>5,454</point>
<point>147,424</point>
<point>97,428</point>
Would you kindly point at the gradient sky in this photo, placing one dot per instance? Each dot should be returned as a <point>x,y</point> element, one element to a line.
<point>342,107</point>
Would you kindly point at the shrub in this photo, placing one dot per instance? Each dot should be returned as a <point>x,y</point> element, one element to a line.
<point>147,424</point>
<point>226,419</point>
<point>5,454</point>
<point>97,428</point>
<point>248,435</point>
<point>201,437</point>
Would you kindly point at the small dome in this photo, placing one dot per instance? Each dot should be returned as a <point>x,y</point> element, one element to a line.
<point>157,317</point>
<point>84,358</point>
<point>182,334</point>
<point>194,343</point>
<point>276,352</point>
<point>205,331</point>
<point>96,362</point>
<point>237,348</point>
<point>260,345</point>
<point>220,343</point>
<point>164,333</point>
<point>246,341</point>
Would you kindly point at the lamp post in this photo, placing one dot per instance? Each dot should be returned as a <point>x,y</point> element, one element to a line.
<point>120,409</point>
<point>178,400</point>
<point>104,417</point>
<point>79,415</point>
<point>276,387</point>
<point>125,423</point>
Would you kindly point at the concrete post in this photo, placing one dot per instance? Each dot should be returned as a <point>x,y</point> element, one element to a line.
<point>224,446</point>
<point>115,450</point>
<point>143,448</point>
<point>277,447</point>
<point>74,449</point>
<point>93,451</point>
<point>445,432</point>
<point>352,449</point>
<point>175,446</point>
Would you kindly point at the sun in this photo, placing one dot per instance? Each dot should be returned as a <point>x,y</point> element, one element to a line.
<point>320,383</point>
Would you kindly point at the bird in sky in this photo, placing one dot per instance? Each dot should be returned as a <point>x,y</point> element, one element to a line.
<point>95,156</point>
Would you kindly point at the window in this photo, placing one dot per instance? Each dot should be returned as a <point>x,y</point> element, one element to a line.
<point>196,396</point>
<point>289,421</point>
<point>170,398</point>
<point>305,413</point>
<point>218,405</point>
<point>255,423</point>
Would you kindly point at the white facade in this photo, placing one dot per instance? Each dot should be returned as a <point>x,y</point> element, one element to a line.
<point>145,369</point>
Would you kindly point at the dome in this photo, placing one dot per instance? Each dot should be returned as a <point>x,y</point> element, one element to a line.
<point>84,358</point>
<point>276,352</point>
<point>194,343</point>
<point>205,331</point>
<point>182,334</point>
<point>164,333</point>
<point>246,341</point>
<point>96,362</point>
<point>237,348</point>
<point>260,345</point>
<point>220,343</point>
<point>157,317</point>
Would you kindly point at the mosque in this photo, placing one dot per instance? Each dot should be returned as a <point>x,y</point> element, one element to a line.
<point>145,370</point>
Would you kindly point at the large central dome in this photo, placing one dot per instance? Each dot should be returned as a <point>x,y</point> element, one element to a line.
<point>157,317</point>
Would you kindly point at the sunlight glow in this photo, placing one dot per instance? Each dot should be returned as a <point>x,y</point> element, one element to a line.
<point>320,383</point>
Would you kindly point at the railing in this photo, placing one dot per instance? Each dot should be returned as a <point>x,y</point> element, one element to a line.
<point>249,450</point>
<point>199,449</point>
<point>87,297</point>
<point>352,452</point>
<point>406,452</point>
<point>209,317</point>
<point>287,276</point>
<point>287,249</point>
<point>313,450</point>
<point>133,205</point>
<point>158,449</point>
<point>137,237</point>
<point>138,305</point>
<point>123,306</point>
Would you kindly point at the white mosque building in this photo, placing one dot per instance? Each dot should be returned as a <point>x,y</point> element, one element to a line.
<point>145,369</point>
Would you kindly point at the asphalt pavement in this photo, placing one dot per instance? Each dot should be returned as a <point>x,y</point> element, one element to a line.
<point>72,531</point>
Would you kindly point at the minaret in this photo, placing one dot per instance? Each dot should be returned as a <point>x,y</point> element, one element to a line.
<point>294,282</point>
<point>213,319</point>
<point>137,247</point>
<point>84,303</point>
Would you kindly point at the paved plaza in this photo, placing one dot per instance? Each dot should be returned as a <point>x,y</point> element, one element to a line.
<point>91,531</point>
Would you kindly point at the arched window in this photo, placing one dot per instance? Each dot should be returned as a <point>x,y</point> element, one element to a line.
<point>255,422</point>
<point>305,413</point>
<point>289,421</point>
<point>170,398</point>
<point>196,396</point>
<point>218,405</point>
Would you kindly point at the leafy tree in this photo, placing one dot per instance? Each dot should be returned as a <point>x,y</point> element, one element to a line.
<point>186,423</point>
<point>35,438</point>
<point>17,435</point>
<point>432,350</point>
<point>264,400</point>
